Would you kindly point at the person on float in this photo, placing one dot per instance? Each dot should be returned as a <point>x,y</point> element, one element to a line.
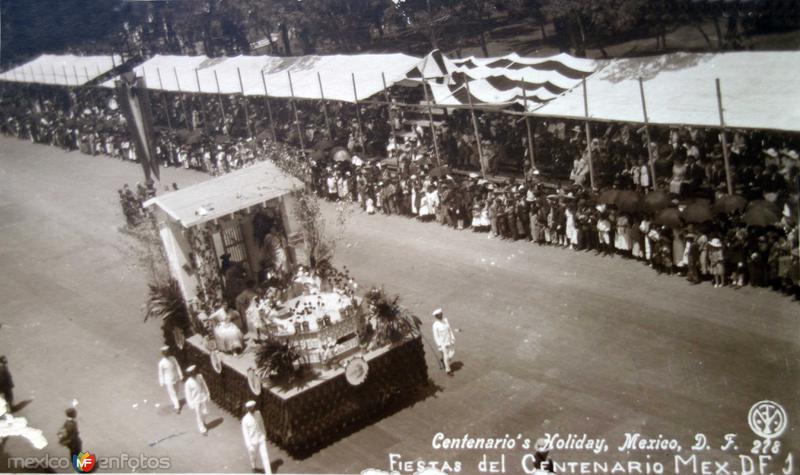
<point>444,338</point>
<point>255,437</point>
<point>229,337</point>
<point>197,396</point>
<point>169,375</point>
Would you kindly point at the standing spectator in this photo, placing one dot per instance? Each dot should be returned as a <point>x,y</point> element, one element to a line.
<point>444,338</point>
<point>6,383</point>
<point>68,435</point>
<point>197,397</point>
<point>169,375</point>
<point>716,258</point>
<point>255,437</point>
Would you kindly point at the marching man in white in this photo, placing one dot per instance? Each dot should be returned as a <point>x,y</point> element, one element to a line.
<point>169,375</point>
<point>444,338</point>
<point>255,437</point>
<point>197,396</point>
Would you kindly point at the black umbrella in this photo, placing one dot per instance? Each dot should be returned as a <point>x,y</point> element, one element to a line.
<point>669,217</point>
<point>761,213</point>
<point>657,200</point>
<point>730,204</point>
<point>628,201</point>
<point>608,197</point>
<point>698,212</point>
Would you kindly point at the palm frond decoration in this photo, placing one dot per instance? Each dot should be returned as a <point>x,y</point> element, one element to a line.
<point>276,357</point>
<point>165,303</point>
<point>394,323</point>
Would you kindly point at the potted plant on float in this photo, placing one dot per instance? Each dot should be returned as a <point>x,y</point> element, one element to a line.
<point>392,323</point>
<point>165,302</point>
<point>278,361</point>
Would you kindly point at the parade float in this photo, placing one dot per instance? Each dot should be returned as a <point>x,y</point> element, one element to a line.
<point>320,358</point>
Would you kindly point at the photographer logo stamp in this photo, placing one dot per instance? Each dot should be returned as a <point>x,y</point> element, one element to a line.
<point>767,419</point>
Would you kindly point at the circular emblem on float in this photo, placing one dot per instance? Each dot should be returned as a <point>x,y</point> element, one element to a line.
<point>215,361</point>
<point>179,337</point>
<point>767,419</point>
<point>356,371</point>
<point>254,381</point>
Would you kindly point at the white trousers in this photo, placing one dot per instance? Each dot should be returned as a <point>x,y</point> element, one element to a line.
<point>201,410</point>
<point>173,396</point>
<point>261,449</point>
<point>447,354</point>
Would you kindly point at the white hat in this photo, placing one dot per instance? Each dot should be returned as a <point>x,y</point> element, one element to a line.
<point>191,368</point>
<point>249,404</point>
<point>715,243</point>
<point>165,348</point>
<point>771,152</point>
<point>437,312</point>
<point>793,154</point>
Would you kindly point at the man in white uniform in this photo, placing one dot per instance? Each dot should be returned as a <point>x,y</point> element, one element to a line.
<point>197,396</point>
<point>255,437</point>
<point>169,375</point>
<point>444,338</point>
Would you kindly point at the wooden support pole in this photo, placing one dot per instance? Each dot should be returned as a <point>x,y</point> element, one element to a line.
<point>324,107</point>
<point>528,128</point>
<point>430,118</point>
<point>647,136</point>
<point>588,134</point>
<point>296,116</point>
<point>202,101</point>
<point>164,98</point>
<point>221,106</point>
<point>244,100</point>
<point>75,72</point>
<point>269,107</point>
<point>725,155</point>
<point>391,118</point>
<point>476,130</point>
<point>362,139</point>
<point>182,96</point>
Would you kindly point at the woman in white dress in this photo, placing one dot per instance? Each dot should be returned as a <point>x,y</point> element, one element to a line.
<point>571,228</point>
<point>622,238</point>
<point>229,337</point>
<point>254,321</point>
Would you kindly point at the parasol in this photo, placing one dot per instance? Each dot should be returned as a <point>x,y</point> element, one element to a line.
<point>761,213</point>
<point>697,212</point>
<point>325,145</point>
<point>264,135</point>
<point>439,172</point>
<point>608,197</point>
<point>729,204</point>
<point>340,155</point>
<point>222,139</point>
<point>628,201</point>
<point>669,217</point>
<point>656,200</point>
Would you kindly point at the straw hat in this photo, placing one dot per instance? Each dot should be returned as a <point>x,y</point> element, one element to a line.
<point>715,243</point>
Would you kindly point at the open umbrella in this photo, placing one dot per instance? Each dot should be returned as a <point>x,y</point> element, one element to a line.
<point>324,145</point>
<point>761,213</point>
<point>440,171</point>
<point>264,135</point>
<point>657,200</point>
<point>669,217</point>
<point>341,155</point>
<point>222,139</point>
<point>698,212</point>
<point>730,204</point>
<point>608,197</point>
<point>628,201</point>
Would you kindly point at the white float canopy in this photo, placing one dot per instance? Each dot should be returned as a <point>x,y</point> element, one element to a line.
<point>759,91</point>
<point>226,194</point>
<point>62,70</point>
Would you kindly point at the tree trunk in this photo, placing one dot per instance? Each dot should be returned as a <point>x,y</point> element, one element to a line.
<point>484,48</point>
<point>544,32</point>
<point>719,33</point>
<point>287,44</point>
<point>705,36</point>
<point>431,33</point>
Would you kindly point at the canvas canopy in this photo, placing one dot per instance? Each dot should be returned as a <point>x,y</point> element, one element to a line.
<point>511,79</point>
<point>226,194</point>
<point>758,89</point>
<point>335,72</point>
<point>62,70</point>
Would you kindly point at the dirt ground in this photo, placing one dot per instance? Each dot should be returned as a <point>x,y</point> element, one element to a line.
<point>548,340</point>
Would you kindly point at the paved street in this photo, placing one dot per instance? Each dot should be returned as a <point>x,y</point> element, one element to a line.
<point>550,340</point>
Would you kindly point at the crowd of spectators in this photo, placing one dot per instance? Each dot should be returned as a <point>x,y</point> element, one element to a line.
<point>691,226</point>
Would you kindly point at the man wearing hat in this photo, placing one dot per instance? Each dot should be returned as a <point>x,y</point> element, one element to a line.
<point>444,338</point>
<point>197,396</point>
<point>255,437</point>
<point>68,435</point>
<point>169,375</point>
<point>6,384</point>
